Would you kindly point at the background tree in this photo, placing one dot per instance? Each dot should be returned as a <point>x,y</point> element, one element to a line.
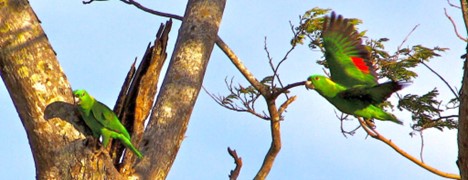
<point>304,127</point>
<point>27,64</point>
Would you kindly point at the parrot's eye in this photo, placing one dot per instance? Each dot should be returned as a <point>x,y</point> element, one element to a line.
<point>317,78</point>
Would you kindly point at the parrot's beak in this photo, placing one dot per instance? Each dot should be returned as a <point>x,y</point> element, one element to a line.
<point>309,85</point>
<point>77,100</point>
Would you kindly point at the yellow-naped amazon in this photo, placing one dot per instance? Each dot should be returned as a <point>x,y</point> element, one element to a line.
<point>352,87</point>
<point>102,120</point>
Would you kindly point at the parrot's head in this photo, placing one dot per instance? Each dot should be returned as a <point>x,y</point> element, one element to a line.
<point>82,98</point>
<point>316,82</point>
<point>323,85</point>
<point>311,81</point>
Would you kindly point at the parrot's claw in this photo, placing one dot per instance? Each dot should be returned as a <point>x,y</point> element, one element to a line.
<point>100,151</point>
<point>97,153</point>
<point>370,123</point>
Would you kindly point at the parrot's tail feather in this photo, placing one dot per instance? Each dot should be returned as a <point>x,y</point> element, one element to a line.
<point>403,84</point>
<point>395,120</point>
<point>135,151</point>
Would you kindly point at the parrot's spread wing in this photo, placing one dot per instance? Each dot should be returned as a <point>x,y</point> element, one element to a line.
<point>346,56</point>
<point>108,119</point>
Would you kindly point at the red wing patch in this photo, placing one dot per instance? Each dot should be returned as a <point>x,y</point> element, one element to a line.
<point>360,64</point>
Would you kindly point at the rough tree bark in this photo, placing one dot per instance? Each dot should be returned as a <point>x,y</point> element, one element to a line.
<point>180,88</point>
<point>43,99</point>
<point>463,109</point>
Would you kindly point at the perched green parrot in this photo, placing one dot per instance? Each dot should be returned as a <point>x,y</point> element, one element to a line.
<point>102,120</point>
<point>352,87</point>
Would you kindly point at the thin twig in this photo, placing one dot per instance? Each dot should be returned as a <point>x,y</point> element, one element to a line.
<point>270,62</point>
<point>151,11</point>
<point>453,5</point>
<point>286,88</point>
<point>285,57</point>
<point>441,78</point>
<point>454,26</point>
<point>422,146</point>
<point>234,174</point>
<point>290,50</point>
<point>273,68</point>
<point>407,36</point>
<point>285,105</point>
<point>343,117</point>
<point>234,107</point>
<point>376,135</point>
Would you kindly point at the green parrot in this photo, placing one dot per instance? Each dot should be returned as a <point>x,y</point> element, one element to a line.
<point>102,120</point>
<point>352,87</point>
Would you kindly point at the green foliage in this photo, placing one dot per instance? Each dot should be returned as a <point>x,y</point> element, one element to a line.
<point>397,66</point>
<point>311,24</point>
<point>426,111</point>
<point>310,27</point>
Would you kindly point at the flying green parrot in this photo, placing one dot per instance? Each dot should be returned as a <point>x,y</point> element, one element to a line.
<point>352,87</point>
<point>102,120</point>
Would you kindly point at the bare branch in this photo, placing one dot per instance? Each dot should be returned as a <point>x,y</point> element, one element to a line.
<point>238,161</point>
<point>376,135</point>
<point>286,88</point>
<point>285,105</point>
<point>234,107</point>
<point>87,2</point>
<point>455,26</point>
<point>407,36</point>
<point>273,67</point>
<point>240,66</point>
<point>441,78</point>
<point>275,146</point>
<point>453,5</point>
<point>343,117</point>
<point>151,11</point>
<point>270,96</point>
<point>276,68</point>
<point>422,146</point>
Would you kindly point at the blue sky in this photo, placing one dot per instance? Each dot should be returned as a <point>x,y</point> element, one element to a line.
<point>97,43</point>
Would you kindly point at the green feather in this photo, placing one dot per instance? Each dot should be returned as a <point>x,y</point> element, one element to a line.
<point>342,44</point>
<point>102,120</point>
<point>352,87</point>
<point>360,105</point>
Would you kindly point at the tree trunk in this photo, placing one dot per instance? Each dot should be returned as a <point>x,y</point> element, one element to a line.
<point>180,87</point>
<point>42,96</point>
<point>463,110</point>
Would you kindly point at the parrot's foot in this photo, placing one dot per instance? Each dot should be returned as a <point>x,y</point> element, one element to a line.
<point>370,123</point>
<point>100,151</point>
<point>96,147</point>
